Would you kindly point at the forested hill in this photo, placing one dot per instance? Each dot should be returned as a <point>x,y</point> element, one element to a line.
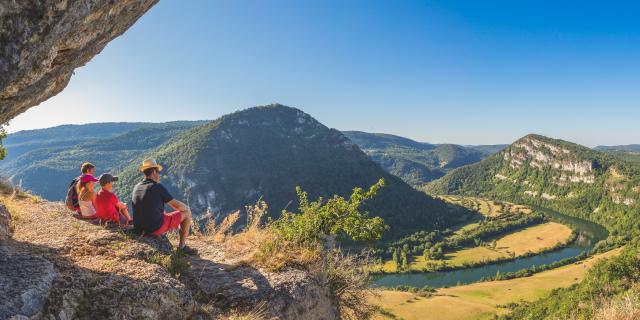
<point>416,162</point>
<point>265,152</point>
<point>556,174</point>
<point>45,160</point>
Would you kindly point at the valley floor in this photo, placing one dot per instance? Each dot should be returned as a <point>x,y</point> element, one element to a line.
<point>485,299</point>
<point>532,239</point>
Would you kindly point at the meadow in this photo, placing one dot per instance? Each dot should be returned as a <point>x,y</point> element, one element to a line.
<point>481,300</point>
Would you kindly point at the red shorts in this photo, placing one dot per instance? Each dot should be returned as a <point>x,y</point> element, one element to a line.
<point>171,222</point>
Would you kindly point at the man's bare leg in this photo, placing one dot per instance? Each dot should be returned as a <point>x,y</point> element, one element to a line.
<point>185,226</point>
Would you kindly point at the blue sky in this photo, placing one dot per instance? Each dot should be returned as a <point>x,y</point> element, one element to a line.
<point>471,72</point>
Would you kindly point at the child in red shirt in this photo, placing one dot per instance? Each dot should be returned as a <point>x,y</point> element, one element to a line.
<point>108,208</point>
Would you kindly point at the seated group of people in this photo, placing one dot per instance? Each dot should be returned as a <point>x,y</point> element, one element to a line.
<point>148,203</point>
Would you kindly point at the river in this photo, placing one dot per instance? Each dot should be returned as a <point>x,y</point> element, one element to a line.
<point>589,234</point>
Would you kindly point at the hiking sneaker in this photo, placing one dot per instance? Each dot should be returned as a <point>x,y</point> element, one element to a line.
<point>188,250</point>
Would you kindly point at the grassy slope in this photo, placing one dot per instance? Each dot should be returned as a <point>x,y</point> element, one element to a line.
<point>481,300</point>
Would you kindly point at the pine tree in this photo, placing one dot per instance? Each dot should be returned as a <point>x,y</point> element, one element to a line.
<point>405,264</point>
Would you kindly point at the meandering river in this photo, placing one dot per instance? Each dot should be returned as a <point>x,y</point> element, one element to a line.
<point>589,234</point>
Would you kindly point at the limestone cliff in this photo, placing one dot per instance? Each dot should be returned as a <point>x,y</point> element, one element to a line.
<point>58,267</point>
<point>42,42</point>
<point>557,174</point>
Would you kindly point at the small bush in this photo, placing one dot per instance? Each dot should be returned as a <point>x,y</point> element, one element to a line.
<point>297,239</point>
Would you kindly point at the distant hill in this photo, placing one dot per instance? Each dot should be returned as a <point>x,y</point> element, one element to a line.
<point>488,149</point>
<point>416,162</point>
<point>556,174</point>
<point>66,135</point>
<point>629,152</point>
<point>627,148</point>
<point>45,160</point>
<point>265,152</point>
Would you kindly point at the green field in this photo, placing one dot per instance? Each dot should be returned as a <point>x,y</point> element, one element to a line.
<point>485,299</point>
<point>487,207</point>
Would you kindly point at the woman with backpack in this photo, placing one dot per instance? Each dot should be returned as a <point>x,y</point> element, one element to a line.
<point>71,199</point>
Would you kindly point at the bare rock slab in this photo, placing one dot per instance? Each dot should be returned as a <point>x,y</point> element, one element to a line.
<point>25,282</point>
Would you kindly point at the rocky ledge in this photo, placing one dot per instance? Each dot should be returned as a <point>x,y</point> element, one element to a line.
<point>58,267</point>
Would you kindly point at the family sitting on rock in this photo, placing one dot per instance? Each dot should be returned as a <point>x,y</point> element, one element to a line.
<point>148,202</point>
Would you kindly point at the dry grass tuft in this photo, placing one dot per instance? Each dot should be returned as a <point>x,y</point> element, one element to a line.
<point>219,233</point>
<point>13,207</point>
<point>625,307</point>
<point>257,313</point>
<point>348,279</point>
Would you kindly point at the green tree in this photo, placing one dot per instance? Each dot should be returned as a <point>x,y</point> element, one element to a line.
<point>3,151</point>
<point>405,263</point>
<point>334,217</point>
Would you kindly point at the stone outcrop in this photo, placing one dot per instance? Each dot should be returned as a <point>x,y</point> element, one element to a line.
<point>294,294</point>
<point>58,267</point>
<point>540,154</point>
<point>5,227</point>
<point>42,42</point>
<point>25,281</point>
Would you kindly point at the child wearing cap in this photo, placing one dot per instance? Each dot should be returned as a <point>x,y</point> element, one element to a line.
<point>108,208</point>
<point>86,196</point>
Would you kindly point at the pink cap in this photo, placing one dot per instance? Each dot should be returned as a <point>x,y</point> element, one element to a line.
<point>87,178</point>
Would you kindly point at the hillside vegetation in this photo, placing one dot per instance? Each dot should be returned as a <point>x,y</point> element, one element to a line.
<point>574,180</point>
<point>415,162</point>
<point>265,153</point>
<point>559,175</point>
<point>44,161</point>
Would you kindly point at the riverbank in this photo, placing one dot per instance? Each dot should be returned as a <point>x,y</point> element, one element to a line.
<point>485,299</point>
<point>526,242</point>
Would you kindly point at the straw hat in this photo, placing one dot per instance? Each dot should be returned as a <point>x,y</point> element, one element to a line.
<point>150,163</point>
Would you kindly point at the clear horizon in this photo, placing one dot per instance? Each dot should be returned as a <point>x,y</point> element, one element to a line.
<point>440,72</point>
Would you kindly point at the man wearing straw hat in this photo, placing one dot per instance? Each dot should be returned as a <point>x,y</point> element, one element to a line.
<point>149,198</point>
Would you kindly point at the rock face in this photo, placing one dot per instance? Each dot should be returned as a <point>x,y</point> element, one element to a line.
<point>42,42</point>
<point>294,294</point>
<point>541,154</point>
<point>5,228</point>
<point>25,281</point>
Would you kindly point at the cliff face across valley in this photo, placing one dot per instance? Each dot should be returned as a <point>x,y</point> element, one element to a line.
<point>556,174</point>
<point>54,266</point>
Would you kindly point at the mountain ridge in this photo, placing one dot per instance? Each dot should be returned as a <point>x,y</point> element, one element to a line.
<point>415,162</point>
<point>264,152</point>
